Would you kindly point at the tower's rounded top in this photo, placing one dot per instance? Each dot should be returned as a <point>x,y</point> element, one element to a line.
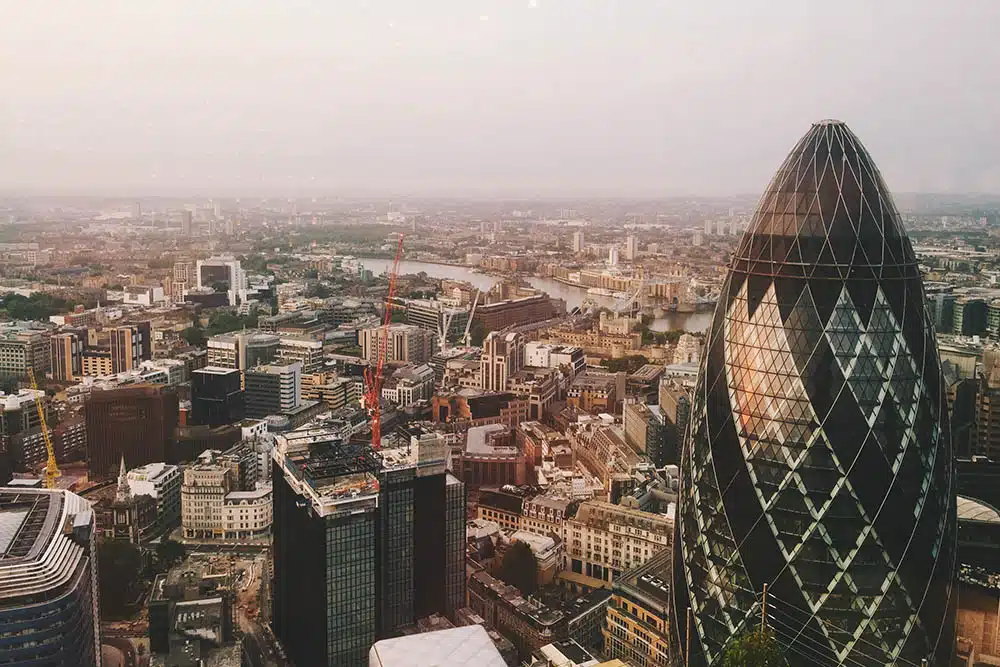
<point>829,121</point>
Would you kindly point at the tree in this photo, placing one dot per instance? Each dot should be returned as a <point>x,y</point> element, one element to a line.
<point>194,336</point>
<point>625,364</point>
<point>754,649</point>
<point>398,315</point>
<point>119,565</point>
<point>520,568</point>
<point>477,333</point>
<point>169,553</point>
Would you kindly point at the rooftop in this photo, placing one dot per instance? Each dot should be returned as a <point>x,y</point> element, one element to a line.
<point>334,475</point>
<point>31,521</point>
<point>454,647</point>
<point>216,370</point>
<point>976,510</point>
<point>650,582</point>
<point>647,372</point>
<point>480,441</point>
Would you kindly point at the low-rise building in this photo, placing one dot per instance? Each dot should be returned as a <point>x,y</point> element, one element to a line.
<point>593,393</point>
<point>544,515</point>
<point>548,552</point>
<point>527,623</point>
<point>503,507</point>
<point>539,386</point>
<point>191,618</point>
<point>551,355</point>
<point>214,508</point>
<point>409,384</point>
<point>603,540</point>
<point>491,457</point>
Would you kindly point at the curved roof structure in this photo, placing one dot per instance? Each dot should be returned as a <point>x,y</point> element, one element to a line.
<point>970,509</point>
<point>818,461</point>
<point>36,553</point>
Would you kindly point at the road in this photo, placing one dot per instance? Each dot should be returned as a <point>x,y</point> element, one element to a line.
<point>257,643</point>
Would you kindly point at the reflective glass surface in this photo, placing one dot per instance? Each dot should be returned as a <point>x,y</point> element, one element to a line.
<point>818,460</point>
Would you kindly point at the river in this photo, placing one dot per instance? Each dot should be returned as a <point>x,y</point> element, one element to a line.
<point>573,296</point>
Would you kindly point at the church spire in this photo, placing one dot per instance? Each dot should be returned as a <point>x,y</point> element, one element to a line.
<point>124,493</point>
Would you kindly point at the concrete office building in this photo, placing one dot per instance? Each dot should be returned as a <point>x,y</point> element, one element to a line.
<point>130,345</point>
<point>162,482</point>
<point>48,579</point>
<point>432,315</point>
<point>22,346</point>
<point>273,390</point>
<point>65,354</point>
<point>405,343</point>
<point>307,351</point>
<point>242,350</point>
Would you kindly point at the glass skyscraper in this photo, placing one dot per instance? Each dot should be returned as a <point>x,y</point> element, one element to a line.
<point>365,543</point>
<point>818,462</point>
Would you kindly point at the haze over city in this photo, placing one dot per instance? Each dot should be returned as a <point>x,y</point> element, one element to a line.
<point>499,333</point>
<point>487,98</point>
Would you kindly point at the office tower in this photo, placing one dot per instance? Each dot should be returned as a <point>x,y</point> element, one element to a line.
<point>272,389</point>
<point>818,461</point>
<point>364,545</point>
<point>136,422</point>
<point>48,579</point>
<point>502,357</point>
<point>631,248</point>
<point>434,315</point>
<point>22,346</point>
<point>970,316</point>
<point>186,219</point>
<point>578,242</point>
<point>406,343</point>
<point>184,271</point>
<point>708,228</point>
<point>66,356</point>
<point>137,210</point>
<point>613,256</point>
<point>242,350</point>
<point>128,347</point>
<point>222,274</point>
<point>216,396</point>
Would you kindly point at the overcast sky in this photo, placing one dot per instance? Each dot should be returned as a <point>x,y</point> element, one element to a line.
<point>526,97</point>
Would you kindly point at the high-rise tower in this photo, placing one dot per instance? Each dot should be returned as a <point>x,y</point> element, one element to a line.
<point>818,462</point>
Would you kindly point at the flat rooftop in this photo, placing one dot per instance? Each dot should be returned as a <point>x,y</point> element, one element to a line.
<point>454,647</point>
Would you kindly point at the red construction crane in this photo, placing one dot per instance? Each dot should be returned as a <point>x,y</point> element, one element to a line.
<point>373,377</point>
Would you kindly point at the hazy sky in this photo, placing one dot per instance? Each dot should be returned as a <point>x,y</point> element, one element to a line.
<point>526,97</point>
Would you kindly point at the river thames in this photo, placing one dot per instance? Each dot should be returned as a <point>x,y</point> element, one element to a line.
<point>573,296</point>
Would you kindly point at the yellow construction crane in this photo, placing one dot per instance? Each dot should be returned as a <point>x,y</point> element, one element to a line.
<point>51,468</point>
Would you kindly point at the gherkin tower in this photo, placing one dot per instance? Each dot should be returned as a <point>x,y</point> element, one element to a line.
<point>818,463</point>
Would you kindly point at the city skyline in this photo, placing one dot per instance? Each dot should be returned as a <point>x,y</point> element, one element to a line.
<point>450,98</point>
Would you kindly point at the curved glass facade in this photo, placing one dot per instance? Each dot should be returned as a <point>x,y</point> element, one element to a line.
<point>818,461</point>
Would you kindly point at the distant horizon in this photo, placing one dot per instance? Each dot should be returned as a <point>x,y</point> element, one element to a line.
<point>373,195</point>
